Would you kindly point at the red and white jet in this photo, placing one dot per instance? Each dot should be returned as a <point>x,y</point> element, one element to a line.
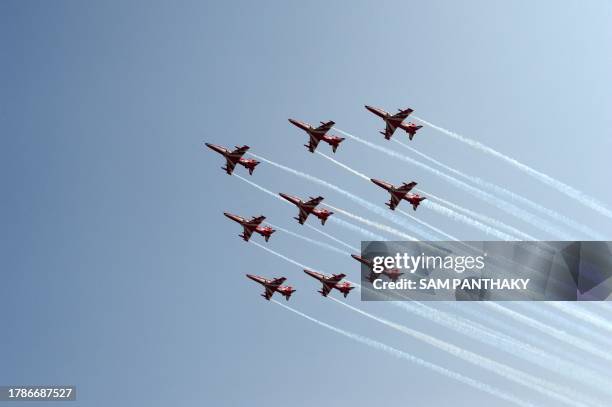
<point>318,134</point>
<point>395,121</point>
<point>330,282</point>
<point>399,193</point>
<point>273,286</point>
<point>308,207</point>
<point>393,274</point>
<point>250,226</point>
<point>234,157</point>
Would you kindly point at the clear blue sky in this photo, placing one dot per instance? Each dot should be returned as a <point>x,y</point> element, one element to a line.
<point>121,275</point>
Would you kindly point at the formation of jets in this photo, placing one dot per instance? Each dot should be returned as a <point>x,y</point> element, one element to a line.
<point>309,207</point>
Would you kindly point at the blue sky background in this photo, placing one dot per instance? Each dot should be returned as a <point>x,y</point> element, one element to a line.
<point>120,274</point>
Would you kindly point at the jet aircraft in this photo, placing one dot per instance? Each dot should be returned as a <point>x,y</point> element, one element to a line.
<point>399,193</point>
<point>250,226</point>
<point>234,157</point>
<point>395,121</point>
<point>331,282</point>
<point>307,208</point>
<point>318,134</point>
<point>272,286</point>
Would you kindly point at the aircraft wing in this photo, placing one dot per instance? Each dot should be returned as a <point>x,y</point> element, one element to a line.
<point>389,130</point>
<point>334,278</point>
<point>302,216</point>
<point>229,166</point>
<point>313,202</point>
<point>325,289</point>
<point>239,151</point>
<point>269,292</point>
<point>246,235</point>
<point>402,114</point>
<point>257,220</point>
<point>276,282</point>
<point>394,201</point>
<point>324,127</point>
<point>313,143</point>
<point>405,188</point>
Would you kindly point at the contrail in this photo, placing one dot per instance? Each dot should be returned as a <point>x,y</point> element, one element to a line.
<point>267,191</point>
<point>438,317</point>
<point>355,228</point>
<point>346,167</point>
<point>527,336</point>
<point>551,331</point>
<point>483,218</point>
<point>420,362</point>
<point>505,343</point>
<point>485,196</point>
<point>362,202</point>
<point>509,194</point>
<point>445,211</point>
<point>345,224</point>
<point>313,241</point>
<point>427,225</point>
<point>587,331</point>
<point>581,314</point>
<point>546,179</point>
<point>467,220</point>
<point>376,225</point>
<point>541,386</point>
<point>300,265</point>
<point>335,239</point>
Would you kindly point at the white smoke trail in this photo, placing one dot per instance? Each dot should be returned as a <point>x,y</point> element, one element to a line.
<point>582,330</point>
<point>420,362</point>
<point>466,219</point>
<point>346,167</point>
<point>335,239</point>
<point>583,315</point>
<point>313,241</point>
<point>360,201</point>
<point>376,225</point>
<point>483,218</point>
<point>300,265</point>
<point>355,228</point>
<point>424,311</point>
<point>444,211</point>
<point>551,331</point>
<point>435,229</point>
<point>546,179</point>
<point>267,191</point>
<point>539,385</point>
<point>505,343</point>
<point>485,196</point>
<point>345,224</point>
<point>509,194</point>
